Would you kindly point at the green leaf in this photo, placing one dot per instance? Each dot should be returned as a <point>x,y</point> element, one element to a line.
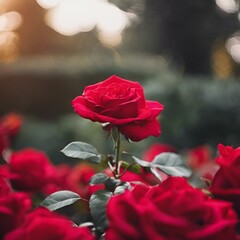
<point>142,163</point>
<point>122,188</point>
<point>170,163</point>
<point>135,168</point>
<point>60,199</point>
<point>111,183</point>
<point>98,203</point>
<point>98,178</point>
<point>156,173</point>
<point>83,151</point>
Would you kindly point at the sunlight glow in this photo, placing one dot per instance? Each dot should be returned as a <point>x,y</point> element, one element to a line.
<point>110,39</point>
<point>48,3</point>
<point>70,17</point>
<point>111,19</point>
<point>228,6</point>
<point>8,47</point>
<point>233,48</point>
<point>10,21</point>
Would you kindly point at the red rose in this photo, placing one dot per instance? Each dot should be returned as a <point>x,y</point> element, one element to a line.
<point>201,160</point>
<point>5,188</point>
<point>79,178</point>
<point>199,156</point>
<point>226,182</point>
<point>75,179</point>
<point>29,170</point>
<point>13,208</point>
<point>4,142</point>
<point>42,224</point>
<point>172,210</point>
<point>12,123</point>
<point>120,103</point>
<point>156,149</point>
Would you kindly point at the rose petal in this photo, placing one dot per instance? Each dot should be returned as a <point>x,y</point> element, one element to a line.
<point>137,132</point>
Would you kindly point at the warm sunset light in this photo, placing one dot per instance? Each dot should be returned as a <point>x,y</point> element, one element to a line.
<point>8,47</point>
<point>9,22</point>
<point>233,48</point>
<point>70,17</point>
<point>111,19</point>
<point>48,3</point>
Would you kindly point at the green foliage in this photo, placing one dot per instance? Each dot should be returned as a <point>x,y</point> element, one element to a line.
<point>98,178</point>
<point>135,168</point>
<point>98,203</point>
<point>170,163</point>
<point>60,199</point>
<point>83,151</point>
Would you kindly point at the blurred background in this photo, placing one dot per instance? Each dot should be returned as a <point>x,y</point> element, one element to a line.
<point>185,53</point>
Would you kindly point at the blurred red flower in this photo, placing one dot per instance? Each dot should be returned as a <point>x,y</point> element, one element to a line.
<point>42,224</point>
<point>29,170</point>
<point>226,183</point>
<point>201,160</point>
<point>156,149</point>
<point>12,123</point>
<point>13,208</point>
<point>171,210</point>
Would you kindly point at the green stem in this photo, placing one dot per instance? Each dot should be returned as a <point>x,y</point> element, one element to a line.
<point>117,155</point>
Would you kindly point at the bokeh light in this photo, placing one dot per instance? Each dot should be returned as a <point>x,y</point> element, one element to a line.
<point>110,39</point>
<point>8,47</point>
<point>111,19</point>
<point>233,48</point>
<point>221,61</point>
<point>9,22</point>
<point>70,17</point>
<point>48,3</point>
<point>228,6</point>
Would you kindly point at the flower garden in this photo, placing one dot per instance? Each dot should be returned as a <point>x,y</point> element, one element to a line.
<point>162,194</point>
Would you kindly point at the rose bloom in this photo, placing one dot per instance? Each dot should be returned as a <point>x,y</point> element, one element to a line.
<point>12,123</point>
<point>170,211</point>
<point>121,103</point>
<point>13,208</point>
<point>156,149</point>
<point>42,224</point>
<point>145,177</point>
<point>226,183</point>
<point>75,179</point>
<point>200,159</point>
<point>4,142</point>
<point>29,170</point>
<point>5,188</point>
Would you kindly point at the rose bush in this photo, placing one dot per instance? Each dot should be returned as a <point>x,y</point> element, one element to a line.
<point>42,224</point>
<point>156,149</point>
<point>171,210</point>
<point>201,160</point>
<point>29,170</point>
<point>130,198</point>
<point>13,208</point>
<point>74,178</point>
<point>121,103</point>
<point>10,125</point>
<point>4,142</point>
<point>226,183</point>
